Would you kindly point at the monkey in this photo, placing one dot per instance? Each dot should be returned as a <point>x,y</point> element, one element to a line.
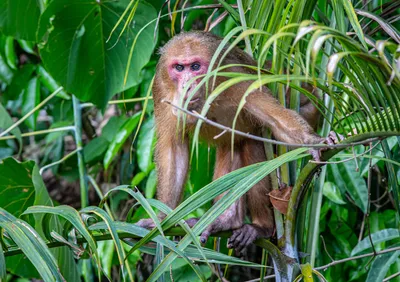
<point>184,57</point>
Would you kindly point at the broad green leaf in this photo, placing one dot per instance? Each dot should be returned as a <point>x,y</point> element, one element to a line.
<point>138,178</point>
<point>377,237</point>
<point>332,192</point>
<point>75,51</point>
<point>48,81</point>
<point>95,149</point>
<point>19,18</point>
<point>145,145</point>
<point>30,99</point>
<point>11,56</point>
<point>17,192</point>
<point>120,138</point>
<point>20,82</point>
<point>111,128</point>
<point>22,179</point>
<point>34,248</point>
<point>3,270</point>
<point>346,177</point>
<point>151,185</point>
<point>381,265</point>
<point>6,73</point>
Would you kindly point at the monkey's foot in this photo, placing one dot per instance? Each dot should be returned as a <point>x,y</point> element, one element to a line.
<point>246,235</point>
<point>332,139</point>
<point>147,223</point>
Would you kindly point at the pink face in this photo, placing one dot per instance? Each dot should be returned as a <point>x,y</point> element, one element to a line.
<point>181,71</point>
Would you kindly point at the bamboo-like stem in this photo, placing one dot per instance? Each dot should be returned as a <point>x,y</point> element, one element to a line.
<point>58,162</point>
<point>78,142</point>
<point>21,120</point>
<point>39,132</point>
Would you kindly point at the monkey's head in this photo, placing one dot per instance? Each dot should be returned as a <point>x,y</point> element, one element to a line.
<point>183,58</point>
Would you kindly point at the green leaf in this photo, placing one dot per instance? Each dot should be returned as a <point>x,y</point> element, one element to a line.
<point>346,177</point>
<point>11,56</point>
<point>74,218</point>
<point>6,122</point>
<point>30,99</point>
<point>377,237</point>
<point>111,227</point>
<point>120,138</point>
<point>3,270</point>
<point>151,185</point>
<point>29,241</point>
<point>19,18</point>
<point>95,149</point>
<point>75,51</point>
<point>145,145</point>
<point>332,192</point>
<point>48,81</point>
<point>6,73</point>
<point>16,188</point>
<point>20,81</point>
<point>381,265</point>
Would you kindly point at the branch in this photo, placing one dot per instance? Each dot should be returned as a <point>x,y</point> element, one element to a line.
<point>324,267</point>
<point>267,140</point>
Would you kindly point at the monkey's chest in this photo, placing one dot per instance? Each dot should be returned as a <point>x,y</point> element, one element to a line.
<point>223,134</point>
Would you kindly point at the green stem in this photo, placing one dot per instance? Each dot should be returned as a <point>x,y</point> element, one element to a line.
<point>302,183</point>
<point>81,162</point>
<point>21,120</point>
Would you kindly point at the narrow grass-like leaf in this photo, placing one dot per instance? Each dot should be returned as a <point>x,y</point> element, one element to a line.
<point>29,241</point>
<point>72,216</point>
<point>381,265</point>
<point>258,172</point>
<point>110,224</point>
<point>377,237</point>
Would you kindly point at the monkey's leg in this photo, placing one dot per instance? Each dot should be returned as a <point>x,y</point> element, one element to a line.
<point>258,203</point>
<point>232,218</point>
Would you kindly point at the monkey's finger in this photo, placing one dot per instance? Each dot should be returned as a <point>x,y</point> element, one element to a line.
<point>191,222</point>
<point>235,239</point>
<point>146,223</point>
<point>204,236</point>
<point>316,154</point>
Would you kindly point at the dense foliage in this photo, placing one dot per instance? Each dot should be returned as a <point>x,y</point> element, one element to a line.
<point>77,142</point>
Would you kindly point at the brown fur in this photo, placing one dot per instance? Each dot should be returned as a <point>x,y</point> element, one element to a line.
<point>261,109</point>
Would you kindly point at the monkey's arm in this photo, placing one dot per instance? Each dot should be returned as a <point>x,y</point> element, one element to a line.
<point>172,159</point>
<point>286,125</point>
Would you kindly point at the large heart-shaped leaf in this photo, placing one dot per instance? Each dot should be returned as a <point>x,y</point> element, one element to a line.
<point>19,18</point>
<point>75,49</point>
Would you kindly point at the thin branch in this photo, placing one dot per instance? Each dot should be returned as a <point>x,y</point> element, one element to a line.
<point>391,277</point>
<point>272,141</point>
<point>324,267</point>
<point>66,157</point>
<point>355,156</point>
<point>39,132</point>
<point>122,101</point>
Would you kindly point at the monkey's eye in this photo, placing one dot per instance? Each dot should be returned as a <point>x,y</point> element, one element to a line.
<point>179,68</point>
<point>195,67</point>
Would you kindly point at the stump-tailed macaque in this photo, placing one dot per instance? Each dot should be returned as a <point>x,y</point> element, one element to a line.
<point>184,57</point>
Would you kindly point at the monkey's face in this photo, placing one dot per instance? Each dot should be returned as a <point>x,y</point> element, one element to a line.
<point>183,72</point>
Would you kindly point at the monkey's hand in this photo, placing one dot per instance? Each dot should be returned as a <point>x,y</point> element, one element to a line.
<point>332,139</point>
<point>147,223</point>
<point>246,235</point>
